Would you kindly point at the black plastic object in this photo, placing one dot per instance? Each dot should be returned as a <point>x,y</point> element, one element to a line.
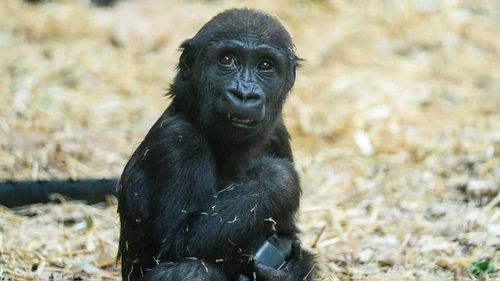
<point>18,193</point>
<point>274,252</point>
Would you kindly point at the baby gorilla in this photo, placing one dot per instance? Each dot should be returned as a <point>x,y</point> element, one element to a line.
<point>213,182</point>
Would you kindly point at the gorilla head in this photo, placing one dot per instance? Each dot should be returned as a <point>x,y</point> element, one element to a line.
<point>235,73</point>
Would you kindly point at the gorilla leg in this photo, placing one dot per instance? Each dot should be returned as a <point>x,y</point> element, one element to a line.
<point>195,270</point>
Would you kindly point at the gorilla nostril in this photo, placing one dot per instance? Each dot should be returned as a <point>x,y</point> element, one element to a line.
<point>242,97</point>
<point>253,97</point>
<point>237,94</point>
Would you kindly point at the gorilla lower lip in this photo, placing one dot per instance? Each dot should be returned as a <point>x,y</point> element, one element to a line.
<point>240,119</point>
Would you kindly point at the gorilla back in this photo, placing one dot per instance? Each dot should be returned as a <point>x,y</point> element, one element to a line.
<point>214,177</point>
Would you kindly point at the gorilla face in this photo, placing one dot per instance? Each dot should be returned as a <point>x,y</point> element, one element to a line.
<point>244,86</point>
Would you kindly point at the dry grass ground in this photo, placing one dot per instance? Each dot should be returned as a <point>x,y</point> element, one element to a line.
<point>395,120</point>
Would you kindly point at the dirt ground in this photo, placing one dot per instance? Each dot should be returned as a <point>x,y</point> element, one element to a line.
<point>395,120</point>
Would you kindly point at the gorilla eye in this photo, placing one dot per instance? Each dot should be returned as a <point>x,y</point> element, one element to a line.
<point>265,65</point>
<point>226,60</point>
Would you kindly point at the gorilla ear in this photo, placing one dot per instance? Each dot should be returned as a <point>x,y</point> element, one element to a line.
<point>297,63</point>
<point>187,58</point>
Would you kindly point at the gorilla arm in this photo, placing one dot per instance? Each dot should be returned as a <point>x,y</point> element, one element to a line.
<point>243,214</point>
<point>169,176</point>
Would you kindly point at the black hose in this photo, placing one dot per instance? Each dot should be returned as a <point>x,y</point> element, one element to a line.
<point>18,193</point>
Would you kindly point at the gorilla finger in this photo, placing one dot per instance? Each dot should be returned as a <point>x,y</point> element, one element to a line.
<point>269,273</point>
<point>296,253</point>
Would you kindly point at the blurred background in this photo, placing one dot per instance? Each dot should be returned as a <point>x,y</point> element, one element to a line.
<point>395,121</point>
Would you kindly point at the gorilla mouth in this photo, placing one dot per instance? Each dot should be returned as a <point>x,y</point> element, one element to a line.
<point>241,120</point>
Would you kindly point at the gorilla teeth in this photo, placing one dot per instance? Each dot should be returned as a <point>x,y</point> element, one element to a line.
<point>235,119</point>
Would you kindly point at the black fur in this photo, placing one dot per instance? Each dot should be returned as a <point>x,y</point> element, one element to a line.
<point>203,192</point>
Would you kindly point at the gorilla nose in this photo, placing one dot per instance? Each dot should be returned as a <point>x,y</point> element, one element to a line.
<point>244,98</point>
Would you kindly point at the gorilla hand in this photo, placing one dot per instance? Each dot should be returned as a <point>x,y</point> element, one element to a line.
<point>284,274</point>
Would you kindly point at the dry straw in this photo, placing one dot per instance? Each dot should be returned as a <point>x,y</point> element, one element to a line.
<point>395,120</point>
